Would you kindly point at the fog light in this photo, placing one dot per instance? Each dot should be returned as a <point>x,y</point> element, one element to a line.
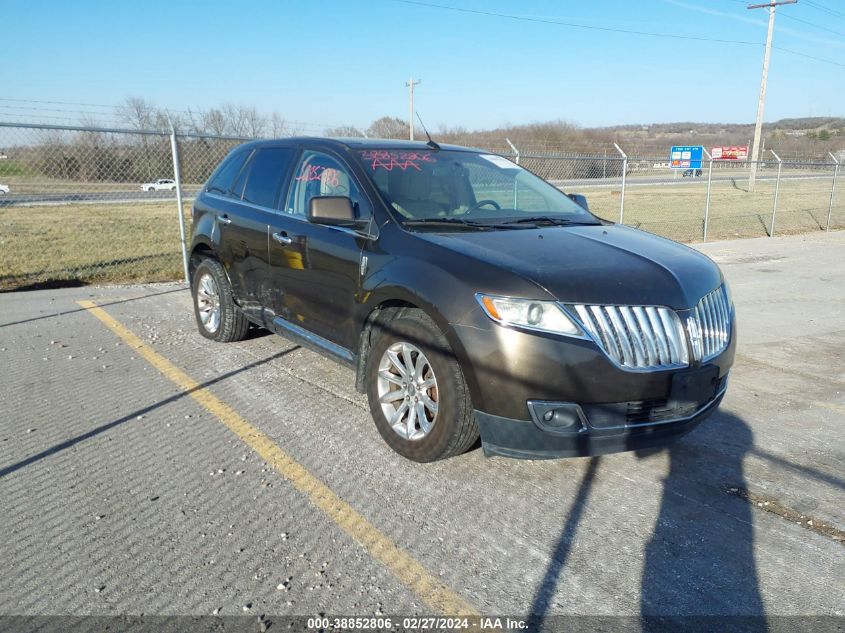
<point>559,418</point>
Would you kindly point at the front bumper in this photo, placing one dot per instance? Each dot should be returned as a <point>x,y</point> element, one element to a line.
<point>529,439</point>
<point>510,371</point>
<point>505,367</point>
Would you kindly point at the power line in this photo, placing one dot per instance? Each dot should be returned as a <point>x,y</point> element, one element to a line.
<point>817,26</point>
<point>576,25</point>
<point>87,105</point>
<point>820,7</point>
<point>813,57</point>
<point>608,29</point>
<point>31,108</point>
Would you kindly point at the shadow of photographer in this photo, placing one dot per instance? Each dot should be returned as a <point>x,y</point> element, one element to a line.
<point>699,570</point>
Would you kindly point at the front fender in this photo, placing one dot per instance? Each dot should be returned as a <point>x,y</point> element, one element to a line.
<point>442,296</point>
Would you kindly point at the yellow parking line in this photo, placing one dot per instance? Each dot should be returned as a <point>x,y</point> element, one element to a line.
<point>400,563</point>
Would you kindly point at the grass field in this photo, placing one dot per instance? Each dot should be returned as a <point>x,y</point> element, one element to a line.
<point>89,243</point>
<point>114,242</point>
<point>677,211</point>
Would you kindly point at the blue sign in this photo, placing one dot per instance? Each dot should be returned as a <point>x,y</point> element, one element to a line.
<point>686,157</point>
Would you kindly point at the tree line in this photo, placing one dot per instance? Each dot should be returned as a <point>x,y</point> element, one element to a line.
<point>104,157</point>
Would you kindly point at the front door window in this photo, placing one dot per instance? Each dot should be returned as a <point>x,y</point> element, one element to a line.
<point>320,174</point>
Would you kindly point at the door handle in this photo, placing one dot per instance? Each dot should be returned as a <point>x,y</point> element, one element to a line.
<point>224,219</point>
<point>282,238</point>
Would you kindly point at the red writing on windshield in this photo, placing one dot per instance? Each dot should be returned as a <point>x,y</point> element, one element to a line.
<point>390,160</point>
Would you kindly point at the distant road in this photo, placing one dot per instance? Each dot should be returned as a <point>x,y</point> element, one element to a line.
<point>128,197</point>
<point>122,197</point>
<point>634,181</point>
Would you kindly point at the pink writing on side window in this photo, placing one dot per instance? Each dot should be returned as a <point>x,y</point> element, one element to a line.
<point>328,175</point>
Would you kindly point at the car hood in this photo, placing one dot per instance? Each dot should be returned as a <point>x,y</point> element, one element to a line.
<point>593,264</point>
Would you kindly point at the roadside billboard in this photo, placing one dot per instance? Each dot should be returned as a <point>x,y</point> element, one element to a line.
<point>732,152</point>
<point>685,157</point>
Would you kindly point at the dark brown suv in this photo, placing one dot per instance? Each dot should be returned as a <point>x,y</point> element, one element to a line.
<point>469,296</point>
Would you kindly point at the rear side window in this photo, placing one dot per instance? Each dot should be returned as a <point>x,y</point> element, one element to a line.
<point>225,176</point>
<point>266,171</point>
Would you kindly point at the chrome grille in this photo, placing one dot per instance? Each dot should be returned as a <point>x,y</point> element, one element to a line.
<point>709,325</point>
<point>636,337</point>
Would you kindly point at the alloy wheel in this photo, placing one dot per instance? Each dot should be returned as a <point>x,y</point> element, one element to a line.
<point>407,391</point>
<point>208,303</point>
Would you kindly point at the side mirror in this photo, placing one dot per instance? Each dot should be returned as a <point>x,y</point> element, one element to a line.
<point>580,200</point>
<point>331,210</point>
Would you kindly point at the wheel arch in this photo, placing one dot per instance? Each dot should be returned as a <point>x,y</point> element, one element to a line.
<point>392,306</point>
<point>201,250</point>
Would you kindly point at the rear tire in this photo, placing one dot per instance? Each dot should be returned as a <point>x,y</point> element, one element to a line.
<point>218,318</point>
<point>449,431</point>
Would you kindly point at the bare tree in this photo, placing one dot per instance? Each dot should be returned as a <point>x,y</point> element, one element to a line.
<point>256,123</point>
<point>138,113</point>
<point>164,120</point>
<point>344,131</point>
<point>214,122</point>
<point>388,127</point>
<point>244,120</point>
<point>278,126</point>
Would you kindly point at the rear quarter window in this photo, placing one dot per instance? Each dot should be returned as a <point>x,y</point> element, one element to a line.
<point>267,170</point>
<point>222,180</point>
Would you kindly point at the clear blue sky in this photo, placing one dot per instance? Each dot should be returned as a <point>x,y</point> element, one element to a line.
<point>346,61</point>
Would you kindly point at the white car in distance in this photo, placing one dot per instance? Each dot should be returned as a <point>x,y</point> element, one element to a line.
<point>162,184</point>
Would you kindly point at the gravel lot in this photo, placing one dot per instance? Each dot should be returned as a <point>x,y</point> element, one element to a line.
<point>122,494</point>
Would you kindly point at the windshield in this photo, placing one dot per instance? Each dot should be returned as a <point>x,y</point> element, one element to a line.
<point>431,185</point>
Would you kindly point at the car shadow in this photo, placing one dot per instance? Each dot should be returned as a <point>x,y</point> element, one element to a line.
<point>104,304</point>
<point>138,413</point>
<point>699,571</point>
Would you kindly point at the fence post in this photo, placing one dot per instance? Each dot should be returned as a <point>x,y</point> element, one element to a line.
<point>624,173</point>
<point>515,151</point>
<point>832,190</point>
<point>777,190</point>
<point>177,176</point>
<point>707,203</point>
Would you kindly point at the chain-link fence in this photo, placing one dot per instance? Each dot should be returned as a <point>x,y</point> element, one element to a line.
<point>715,202</point>
<point>81,205</point>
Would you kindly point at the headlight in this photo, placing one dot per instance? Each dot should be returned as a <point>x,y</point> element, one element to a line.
<point>544,316</point>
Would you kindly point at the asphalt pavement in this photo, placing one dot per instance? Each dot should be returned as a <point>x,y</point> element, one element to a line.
<point>146,470</point>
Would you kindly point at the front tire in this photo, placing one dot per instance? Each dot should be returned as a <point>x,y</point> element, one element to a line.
<point>218,318</point>
<point>416,390</point>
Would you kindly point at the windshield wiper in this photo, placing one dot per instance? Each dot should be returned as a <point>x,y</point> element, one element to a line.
<point>453,222</point>
<point>546,219</point>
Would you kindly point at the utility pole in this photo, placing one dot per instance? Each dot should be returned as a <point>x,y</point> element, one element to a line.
<point>410,84</point>
<point>761,103</point>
